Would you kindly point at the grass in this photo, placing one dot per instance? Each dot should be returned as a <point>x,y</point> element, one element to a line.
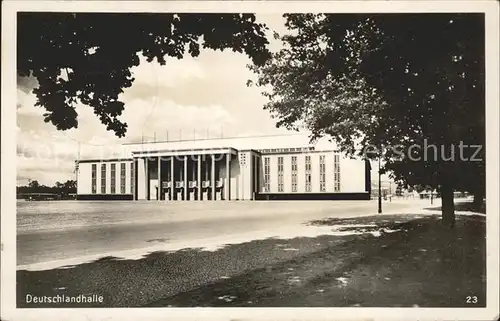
<point>393,261</point>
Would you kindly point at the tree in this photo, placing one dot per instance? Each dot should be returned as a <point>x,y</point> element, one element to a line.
<point>70,186</point>
<point>33,184</point>
<point>380,85</point>
<point>61,189</point>
<point>86,57</point>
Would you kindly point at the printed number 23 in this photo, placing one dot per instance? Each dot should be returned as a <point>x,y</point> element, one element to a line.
<point>471,299</point>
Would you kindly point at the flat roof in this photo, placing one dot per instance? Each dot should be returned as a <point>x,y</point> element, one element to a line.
<point>264,144</point>
<point>187,151</point>
<point>255,143</point>
<point>105,160</point>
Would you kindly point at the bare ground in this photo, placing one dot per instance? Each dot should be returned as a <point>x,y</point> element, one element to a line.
<point>396,261</point>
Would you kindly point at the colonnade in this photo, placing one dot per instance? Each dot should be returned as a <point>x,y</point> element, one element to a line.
<point>188,177</point>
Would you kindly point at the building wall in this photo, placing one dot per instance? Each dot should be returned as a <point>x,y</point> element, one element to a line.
<point>301,178</point>
<point>128,177</point>
<point>84,181</point>
<point>244,177</point>
<point>352,176</point>
<point>241,186</point>
<point>352,173</point>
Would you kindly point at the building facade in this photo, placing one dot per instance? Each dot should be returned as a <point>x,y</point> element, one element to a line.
<point>224,169</point>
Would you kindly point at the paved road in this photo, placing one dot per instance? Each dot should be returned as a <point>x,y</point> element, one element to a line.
<point>59,231</point>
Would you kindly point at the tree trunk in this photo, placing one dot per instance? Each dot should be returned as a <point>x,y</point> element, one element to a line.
<point>448,205</point>
<point>478,199</point>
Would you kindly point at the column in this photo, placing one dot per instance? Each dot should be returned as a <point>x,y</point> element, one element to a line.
<point>227,183</point>
<point>141,179</point>
<point>136,179</point>
<point>172,179</point>
<point>193,178</point>
<point>199,178</point>
<point>185,178</point>
<point>212,179</point>
<point>252,175</point>
<point>146,168</point>
<point>133,172</point>
<point>159,179</point>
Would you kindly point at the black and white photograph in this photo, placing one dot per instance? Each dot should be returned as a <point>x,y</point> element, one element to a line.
<point>252,155</point>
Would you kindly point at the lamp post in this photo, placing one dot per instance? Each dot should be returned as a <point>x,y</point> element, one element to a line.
<point>379,188</point>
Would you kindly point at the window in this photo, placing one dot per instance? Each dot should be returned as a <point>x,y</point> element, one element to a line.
<point>294,173</point>
<point>122,178</point>
<point>113,178</point>
<point>308,173</point>
<point>103,179</point>
<point>94,178</point>
<point>267,174</point>
<point>336,173</point>
<point>322,173</point>
<point>132,177</point>
<point>280,174</point>
<point>243,159</point>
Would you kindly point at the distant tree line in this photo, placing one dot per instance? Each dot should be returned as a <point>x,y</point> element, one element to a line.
<point>62,190</point>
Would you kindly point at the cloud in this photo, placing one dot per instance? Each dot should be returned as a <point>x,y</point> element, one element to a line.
<point>26,104</point>
<point>149,116</point>
<point>43,151</point>
<point>175,73</point>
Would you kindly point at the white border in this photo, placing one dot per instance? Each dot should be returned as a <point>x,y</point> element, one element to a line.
<point>8,167</point>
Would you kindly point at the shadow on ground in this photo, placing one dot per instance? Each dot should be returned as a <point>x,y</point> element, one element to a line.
<point>463,206</point>
<point>384,261</point>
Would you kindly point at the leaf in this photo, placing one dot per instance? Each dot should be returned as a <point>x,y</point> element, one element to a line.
<point>384,80</point>
<point>100,49</point>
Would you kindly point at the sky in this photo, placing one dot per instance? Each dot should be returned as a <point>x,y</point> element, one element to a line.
<point>202,97</point>
<point>189,98</point>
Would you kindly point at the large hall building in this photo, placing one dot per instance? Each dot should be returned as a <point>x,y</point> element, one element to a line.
<point>251,168</point>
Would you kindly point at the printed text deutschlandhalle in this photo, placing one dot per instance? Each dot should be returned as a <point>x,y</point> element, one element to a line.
<point>62,298</point>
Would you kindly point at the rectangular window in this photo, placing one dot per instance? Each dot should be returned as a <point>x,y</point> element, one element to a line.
<point>308,173</point>
<point>267,174</point>
<point>280,174</point>
<point>122,178</point>
<point>336,173</point>
<point>322,174</point>
<point>113,179</point>
<point>103,179</point>
<point>94,178</point>
<point>132,180</point>
<point>294,173</point>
